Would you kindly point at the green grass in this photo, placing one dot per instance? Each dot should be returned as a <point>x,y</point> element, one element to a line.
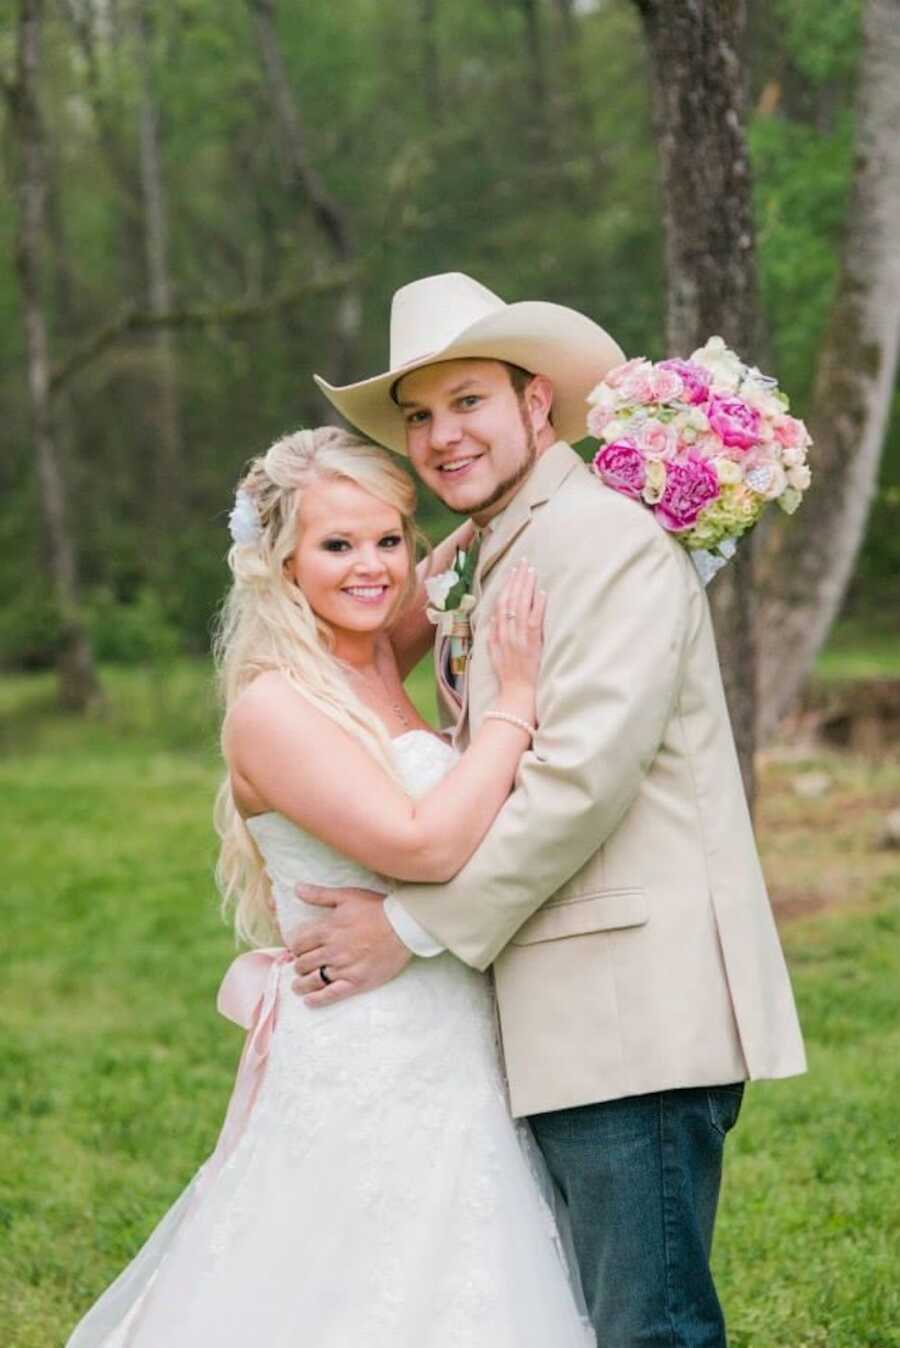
<point>855,652</point>
<point>115,1067</point>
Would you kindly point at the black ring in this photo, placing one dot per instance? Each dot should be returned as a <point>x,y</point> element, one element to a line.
<point>324,977</point>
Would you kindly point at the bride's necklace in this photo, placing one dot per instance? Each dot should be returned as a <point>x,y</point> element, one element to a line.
<point>378,686</point>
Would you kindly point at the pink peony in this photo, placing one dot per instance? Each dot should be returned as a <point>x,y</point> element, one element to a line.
<point>621,466</point>
<point>657,440</point>
<point>695,379</point>
<point>736,424</point>
<point>790,432</point>
<point>691,484</point>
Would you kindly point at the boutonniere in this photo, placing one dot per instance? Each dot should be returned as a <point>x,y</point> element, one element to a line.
<point>450,604</point>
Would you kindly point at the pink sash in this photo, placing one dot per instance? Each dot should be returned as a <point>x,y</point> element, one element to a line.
<point>248,995</point>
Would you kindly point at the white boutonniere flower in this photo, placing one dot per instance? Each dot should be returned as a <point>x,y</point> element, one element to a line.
<point>439,587</point>
<point>450,602</point>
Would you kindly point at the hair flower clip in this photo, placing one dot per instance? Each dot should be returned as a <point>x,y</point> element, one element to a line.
<point>243,522</point>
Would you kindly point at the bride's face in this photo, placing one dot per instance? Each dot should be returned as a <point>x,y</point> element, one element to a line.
<point>351,560</point>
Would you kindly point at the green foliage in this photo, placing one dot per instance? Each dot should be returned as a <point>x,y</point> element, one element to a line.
<point>801,198</point>
<point>131,633</point>
<point>534,170</point>
<point>821,37</point>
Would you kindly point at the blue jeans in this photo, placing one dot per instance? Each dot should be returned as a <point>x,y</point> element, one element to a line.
<point>641,1179</point>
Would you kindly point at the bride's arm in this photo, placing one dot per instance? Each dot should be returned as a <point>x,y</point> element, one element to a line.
<point>294,759</point>
<point>412,634</point>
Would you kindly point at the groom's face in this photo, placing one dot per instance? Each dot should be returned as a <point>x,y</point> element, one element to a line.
<point>470,435</point>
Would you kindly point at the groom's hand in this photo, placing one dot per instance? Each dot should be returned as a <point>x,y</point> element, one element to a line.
<point>353,940</point>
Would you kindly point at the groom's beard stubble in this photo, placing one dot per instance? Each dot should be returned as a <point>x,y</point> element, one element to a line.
<point>509,484</point>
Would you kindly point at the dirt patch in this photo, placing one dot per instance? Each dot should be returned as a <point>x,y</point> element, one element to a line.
<point>824,853</point>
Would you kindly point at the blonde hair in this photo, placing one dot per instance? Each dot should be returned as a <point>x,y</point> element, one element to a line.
<point>267,623</point>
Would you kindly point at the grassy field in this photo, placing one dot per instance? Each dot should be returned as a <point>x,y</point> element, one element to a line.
<point>116,1068</point>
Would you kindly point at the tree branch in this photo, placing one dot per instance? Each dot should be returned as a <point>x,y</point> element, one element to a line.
<point>132,320</point>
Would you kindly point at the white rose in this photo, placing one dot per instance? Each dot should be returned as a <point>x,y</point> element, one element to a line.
<point>724,365</point>
<point>800,476</point>
<point>655,483</point>
<point>761,398</point>
<point>614,430</point>
<point>768,479</point>
<point>604,397</point>
<point>728,472</point>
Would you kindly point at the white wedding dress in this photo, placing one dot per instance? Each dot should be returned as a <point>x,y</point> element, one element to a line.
<point>376,1193</point>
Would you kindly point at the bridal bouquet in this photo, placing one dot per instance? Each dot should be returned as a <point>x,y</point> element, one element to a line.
<point>704,443</point>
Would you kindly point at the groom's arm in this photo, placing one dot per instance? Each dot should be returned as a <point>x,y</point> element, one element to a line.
<point>615,635</point>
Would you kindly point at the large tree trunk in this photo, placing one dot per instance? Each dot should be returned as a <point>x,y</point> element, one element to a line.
<point>308,184</point>
<point>169,466</point>
<point>711,282</point>
<point>78,686</point>
<point>806,566</point>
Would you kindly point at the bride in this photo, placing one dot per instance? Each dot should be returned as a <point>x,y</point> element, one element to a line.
<point>369,1186</point>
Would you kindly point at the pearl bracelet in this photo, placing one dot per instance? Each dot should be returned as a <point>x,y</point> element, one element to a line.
<point>530,730</point>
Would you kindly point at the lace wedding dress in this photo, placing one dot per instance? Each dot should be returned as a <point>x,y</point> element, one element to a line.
<point>370,1187</point>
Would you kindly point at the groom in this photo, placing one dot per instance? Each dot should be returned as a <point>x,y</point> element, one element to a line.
<point>618,895</point>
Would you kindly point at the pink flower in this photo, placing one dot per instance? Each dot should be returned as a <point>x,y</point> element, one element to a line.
<point>621,466</point>
<point>638,387</point>
<point>691,484</point>
<point>665,385</point>
<point>657,440</point>
<point>598,419</point>
<point>618,375</point>
<point>790,432</point>
<point>695,379</point>
<point>736,424</point>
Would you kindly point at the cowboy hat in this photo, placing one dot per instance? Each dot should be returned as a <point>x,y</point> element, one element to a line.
<point>452,317</point>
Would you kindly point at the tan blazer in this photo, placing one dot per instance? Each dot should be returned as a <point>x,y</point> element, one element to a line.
<point>618,894</point>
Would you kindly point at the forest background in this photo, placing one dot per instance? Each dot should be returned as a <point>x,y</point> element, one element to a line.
<point>233,192</point>
<point>268,199</point>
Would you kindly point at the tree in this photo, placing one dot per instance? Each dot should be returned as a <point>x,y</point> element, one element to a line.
<point>329,216</point>
<point>170,469</point>
<point>699,98</point>
<point>806,566</point>
<point>78,686</point>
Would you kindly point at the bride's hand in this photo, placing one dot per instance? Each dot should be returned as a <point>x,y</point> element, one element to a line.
<point>516,641</point>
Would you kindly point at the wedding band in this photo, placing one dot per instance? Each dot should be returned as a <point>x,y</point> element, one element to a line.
<point>509,613</point>
<point>323,975</point>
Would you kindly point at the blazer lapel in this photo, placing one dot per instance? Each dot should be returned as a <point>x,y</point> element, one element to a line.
<point>550,471</point>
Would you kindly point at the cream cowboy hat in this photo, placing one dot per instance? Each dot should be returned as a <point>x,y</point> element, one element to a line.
<point>450,317</point>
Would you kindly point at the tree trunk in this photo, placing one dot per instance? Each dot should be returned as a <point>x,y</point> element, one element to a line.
<point>565,14</point>
<point>806,566</point>
<point>711,282</point>
<point>170,492</point>
<point>307,182</point>
<point>78,686</point>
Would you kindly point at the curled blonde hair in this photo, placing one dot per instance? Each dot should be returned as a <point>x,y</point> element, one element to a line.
<point>267,623</point>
